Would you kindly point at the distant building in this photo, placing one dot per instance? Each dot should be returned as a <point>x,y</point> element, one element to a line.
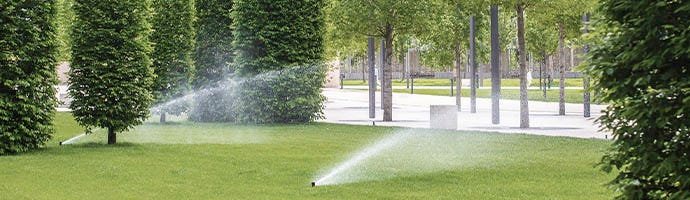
<point>63,97</point>
<point>62,71</point>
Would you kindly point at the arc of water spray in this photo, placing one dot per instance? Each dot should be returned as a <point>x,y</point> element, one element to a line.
<point>361,156</point>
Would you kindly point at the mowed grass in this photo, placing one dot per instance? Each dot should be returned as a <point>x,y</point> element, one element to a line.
<point>512,82</point>
<point>571,95</point>
<point>287,158</point>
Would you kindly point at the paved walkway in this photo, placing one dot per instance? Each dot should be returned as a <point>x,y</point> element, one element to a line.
<point>463,87</point>
<point>351,107</point>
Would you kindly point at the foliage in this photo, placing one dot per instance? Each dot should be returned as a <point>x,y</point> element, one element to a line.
<point>215,103</point>
<point>286,96</point>
<point>63,20</point>
<point>111,77</point>
<point>27,74</point>
<point>212,57</point>
<point>173,46</point>
<point>213,50</point>
<point>277,34</point>
<point>640,67</point>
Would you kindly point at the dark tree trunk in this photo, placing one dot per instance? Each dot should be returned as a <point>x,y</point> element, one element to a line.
<point>162,120</point>
<point>112,137</point>
<point>495,67</point>
<point>387,78</point>
<point>524,107</point>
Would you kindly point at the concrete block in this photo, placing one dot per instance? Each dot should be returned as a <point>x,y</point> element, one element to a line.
<point>443,117</point>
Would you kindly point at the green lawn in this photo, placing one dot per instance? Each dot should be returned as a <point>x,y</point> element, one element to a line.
<point>228,161</point>
<point>574,82</point>
<point>571,96</point>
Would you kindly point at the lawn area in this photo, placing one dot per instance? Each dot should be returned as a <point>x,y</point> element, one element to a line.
<point>572,82</point>
<point>571,96</point>
<point>184,160</point>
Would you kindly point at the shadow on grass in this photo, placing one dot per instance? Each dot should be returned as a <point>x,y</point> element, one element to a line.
<point>101,145</point>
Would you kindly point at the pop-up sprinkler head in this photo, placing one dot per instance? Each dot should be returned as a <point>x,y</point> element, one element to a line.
<point>313,184</point>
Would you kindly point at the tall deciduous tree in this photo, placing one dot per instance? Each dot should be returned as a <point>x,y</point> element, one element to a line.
<point>213,55</point>
<point>640,65</point>
<point>173,46</point>
<point>111,75</point>
<point>280,45</point>
<point>567,23</point>
<point>383,19</point>
<point>27,74</point>
<point>277,34</point>
<point>213,51</point>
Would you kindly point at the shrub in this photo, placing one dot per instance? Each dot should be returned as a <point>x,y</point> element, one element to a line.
<point>27,74</point>
<point>215,103</point>
<point>285,96</point>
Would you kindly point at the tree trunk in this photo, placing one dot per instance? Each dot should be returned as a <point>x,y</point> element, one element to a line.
<point>495,67</point>
<point>364,70</point>
<point>382,72</point>
<point>543,53</point>
<point>372,78</point>
<point>550,75</point>
<point>387,79</point>
<point>524,107</point>
<point>458,78</point>
<point>561,67</point>
<point>112,137</point>
<point>162,116</point>
<point>482,70</point>
<point>586,102</point>
<point>348,63</point>
<point>473,68</point>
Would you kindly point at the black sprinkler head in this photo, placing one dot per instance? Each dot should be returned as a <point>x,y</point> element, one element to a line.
<point>313,184</point>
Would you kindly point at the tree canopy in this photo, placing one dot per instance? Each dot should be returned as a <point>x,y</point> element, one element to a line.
<point>173,47</point>
<point>277,34</point>
<point>27,61</point>
<point>111,75</point>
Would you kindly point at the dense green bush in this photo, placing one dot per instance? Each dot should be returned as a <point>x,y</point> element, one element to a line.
<point>641,66</point>
<point>215,103</point>
<point>277,34</point>
<point>111,76</point>
<point>173,46</point>
<point>285,96</point>
<point>27,74</point>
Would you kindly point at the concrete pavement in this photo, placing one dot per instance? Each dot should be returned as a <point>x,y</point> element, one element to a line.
<point>359,87</point>
<point>351,107</point>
